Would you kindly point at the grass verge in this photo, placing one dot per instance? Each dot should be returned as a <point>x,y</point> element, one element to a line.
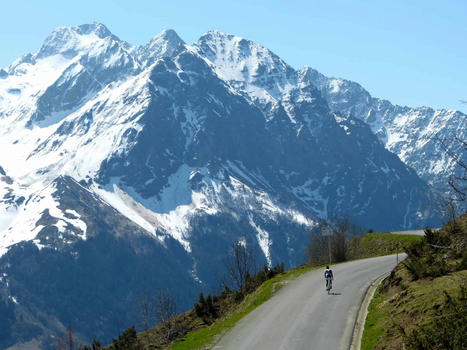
<point>397,310</point>
<point>377,244</point>
<point>422,304</point>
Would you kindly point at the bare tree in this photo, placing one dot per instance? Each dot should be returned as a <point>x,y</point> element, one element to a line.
<point>318,249</point>
<point>458,183</point>
<point>449,212</point>
<point>166,309</point>
<point>145,307</point>
<point>146,311</point>
<point>67,341</point>
<point>239,264</point>
<point>343,229</point>
<point>61,345</point>
<point>165,306</point>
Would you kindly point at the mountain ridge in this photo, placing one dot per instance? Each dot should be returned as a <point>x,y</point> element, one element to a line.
<point>413,133</point>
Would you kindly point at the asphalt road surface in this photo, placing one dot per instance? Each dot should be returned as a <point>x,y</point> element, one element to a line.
<point>303,316</point>
<point>412,232</point>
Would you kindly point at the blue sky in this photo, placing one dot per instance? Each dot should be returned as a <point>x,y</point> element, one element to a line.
<point>410,52</point>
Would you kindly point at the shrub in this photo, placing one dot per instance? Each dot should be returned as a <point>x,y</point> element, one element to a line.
<point>447,329</point>
<point>127,340</point>
<point>205,309</point>
<point>427,258</point>
<point>463,263</point>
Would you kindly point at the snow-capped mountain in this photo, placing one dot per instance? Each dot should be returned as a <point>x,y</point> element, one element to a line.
<point>414,134</point>
<point>126,169</point>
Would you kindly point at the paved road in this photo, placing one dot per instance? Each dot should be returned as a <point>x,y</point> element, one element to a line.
<point>411,232</point>
<point>302,316</point>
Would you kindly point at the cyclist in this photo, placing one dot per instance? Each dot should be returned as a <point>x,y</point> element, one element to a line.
<point>329,277</point>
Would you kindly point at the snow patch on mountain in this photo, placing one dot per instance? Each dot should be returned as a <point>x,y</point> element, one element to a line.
<point>193,192</point>
<point>263,241</point>
<point>121,201</point>
<point>247,66</point>
<point>311,193</point>
<point>168,213</point>
<point>23,224</point>
<point>78,143</point>
<point>25,82</point>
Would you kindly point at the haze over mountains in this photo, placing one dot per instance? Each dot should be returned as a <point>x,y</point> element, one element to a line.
<point>128,169</point>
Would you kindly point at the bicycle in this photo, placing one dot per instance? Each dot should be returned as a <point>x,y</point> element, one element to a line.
<point>328,285</point>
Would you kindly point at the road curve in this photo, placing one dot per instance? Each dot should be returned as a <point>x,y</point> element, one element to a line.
<point>302,315</point>
<point>411,232</point>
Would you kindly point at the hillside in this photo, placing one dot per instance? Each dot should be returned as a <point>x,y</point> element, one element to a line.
<point>422,304</point>
<point>377,244</point>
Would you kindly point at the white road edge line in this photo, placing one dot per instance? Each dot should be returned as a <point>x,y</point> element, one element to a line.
<point>359,326</point>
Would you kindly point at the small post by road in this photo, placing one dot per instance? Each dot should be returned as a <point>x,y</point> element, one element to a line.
<point>397,253</point>
<point>328,232</point>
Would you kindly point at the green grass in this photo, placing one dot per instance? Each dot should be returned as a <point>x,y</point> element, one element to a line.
<point>373,331</point>
<point>405,307</point>
<point>407,303</point>
<point>208,335</point>
<point>378,244</point>
<point>404,301</point>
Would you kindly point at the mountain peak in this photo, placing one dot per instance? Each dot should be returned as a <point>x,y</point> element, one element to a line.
<point>166,43</point>
<point>217,33</point>
<point>231,50</point>
<point>213,40</point>
<point>169,35</point>
<point>245,63</point>
<point>96,28</point>
<point>68,41</point>
<point>166,40</point>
